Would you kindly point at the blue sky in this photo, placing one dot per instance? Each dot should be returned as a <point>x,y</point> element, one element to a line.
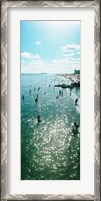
<point>50,46</point>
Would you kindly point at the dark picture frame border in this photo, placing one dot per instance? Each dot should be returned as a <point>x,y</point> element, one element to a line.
<point>3,78</point>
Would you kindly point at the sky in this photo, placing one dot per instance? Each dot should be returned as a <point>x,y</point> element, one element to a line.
<point>50,46</point>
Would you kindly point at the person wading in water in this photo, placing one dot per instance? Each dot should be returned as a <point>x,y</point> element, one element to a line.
<point>76,100</point>
<point>38,119</point>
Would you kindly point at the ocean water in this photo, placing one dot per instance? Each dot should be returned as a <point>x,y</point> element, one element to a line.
<point>49,150</point>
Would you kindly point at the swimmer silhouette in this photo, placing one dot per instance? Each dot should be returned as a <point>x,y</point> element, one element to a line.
<point>23,97</point>
<point>59,92</point>
<point>76,101</point>
<point>38,118</point>
<point>30,91</point>
<point>36,100</point>
<point>75,128</point>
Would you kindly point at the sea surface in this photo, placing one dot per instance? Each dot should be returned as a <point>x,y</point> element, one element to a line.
<point>49,149</point>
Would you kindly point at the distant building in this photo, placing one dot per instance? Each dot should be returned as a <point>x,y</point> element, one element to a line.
<point>76,71</point>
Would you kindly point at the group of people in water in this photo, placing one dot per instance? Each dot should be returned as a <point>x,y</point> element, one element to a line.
<point>75,126</point>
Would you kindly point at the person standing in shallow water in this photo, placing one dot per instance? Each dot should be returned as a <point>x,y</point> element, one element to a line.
<point>23,97</point>
<point>59,92</point>
<point>75,128</point>
<point>36,100</point>
<point>38,119</point>
<point>76,101</point>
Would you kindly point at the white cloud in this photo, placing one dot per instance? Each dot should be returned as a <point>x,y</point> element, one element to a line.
<point>71,59</point>
<point>70,49</point>
<point>69,55</point>
<point>36,56</point>
<point>61,61</point>
<point>67,61</point>
<point>55,66</point>
<point>37,62</point>
<point>66,64</point>
<point>26,55</point>
<point>29,55</point>
<point>38,42</point>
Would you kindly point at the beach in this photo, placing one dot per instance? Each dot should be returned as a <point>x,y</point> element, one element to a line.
<point>49,148</point>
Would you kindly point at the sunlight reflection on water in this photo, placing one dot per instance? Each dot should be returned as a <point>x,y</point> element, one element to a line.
<point>48,150</point>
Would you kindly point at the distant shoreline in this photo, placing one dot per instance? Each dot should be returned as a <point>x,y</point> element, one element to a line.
<point>61,74</point>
